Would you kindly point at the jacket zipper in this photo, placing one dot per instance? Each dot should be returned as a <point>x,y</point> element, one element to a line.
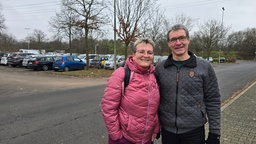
<point>176,101</point>
<point>148,108</point>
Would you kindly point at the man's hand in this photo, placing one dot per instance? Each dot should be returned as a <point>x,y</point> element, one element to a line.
<point>213,139</point>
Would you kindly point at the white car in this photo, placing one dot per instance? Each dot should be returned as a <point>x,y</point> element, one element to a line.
<point>109,64</point>
<point>210,59</point>
<point>4,59</point>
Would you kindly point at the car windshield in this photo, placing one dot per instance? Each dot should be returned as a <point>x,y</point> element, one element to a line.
<point>13,55</point>
<point>82,56</point>
<point>97,58</point>
<point>111,58</point>
<point>92,56</point>
<point>59,58</point>
<point>76,59</point>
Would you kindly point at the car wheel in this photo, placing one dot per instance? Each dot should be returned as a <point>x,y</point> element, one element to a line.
<point>66,69</point>
<point>11,65</point>
<point>20,64</point>
<point>45,68</point>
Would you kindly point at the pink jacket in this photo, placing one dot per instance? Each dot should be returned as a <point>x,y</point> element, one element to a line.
<point>133,115</point>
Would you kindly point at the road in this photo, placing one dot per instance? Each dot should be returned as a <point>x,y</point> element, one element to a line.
<point>41,108</point>
<point>234,77</point>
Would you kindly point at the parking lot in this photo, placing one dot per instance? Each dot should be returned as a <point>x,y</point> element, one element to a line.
<point>24,81</point>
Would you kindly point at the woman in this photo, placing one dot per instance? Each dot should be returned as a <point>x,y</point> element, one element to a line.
<point>131,116</point>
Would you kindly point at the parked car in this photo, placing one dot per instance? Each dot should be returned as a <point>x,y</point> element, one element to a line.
<point>83,57</point>
<point>209,59</point>
<point>156,59</point>
<point>98,61</point>
<point>29,57</point>
<point>4,58</point>
<point>161,58</point>
<point>16,58</point>
<point>221,59</point>
<point>41,63</point>
<point>66,63</point>
<point>1,55</point>
<point>109,64</point>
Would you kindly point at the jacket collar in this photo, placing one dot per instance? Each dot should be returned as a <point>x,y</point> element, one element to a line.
<point>190,63</point>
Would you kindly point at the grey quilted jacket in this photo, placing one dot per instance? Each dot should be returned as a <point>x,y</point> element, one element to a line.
<point>189,96</point>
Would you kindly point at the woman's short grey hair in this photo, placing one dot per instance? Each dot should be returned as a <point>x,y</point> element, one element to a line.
<point>178,27</point>
<point>143,40</point>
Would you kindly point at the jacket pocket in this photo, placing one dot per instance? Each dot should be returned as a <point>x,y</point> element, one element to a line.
<point>135,126</point>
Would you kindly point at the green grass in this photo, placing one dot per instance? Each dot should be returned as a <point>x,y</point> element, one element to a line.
<point>91,73</point>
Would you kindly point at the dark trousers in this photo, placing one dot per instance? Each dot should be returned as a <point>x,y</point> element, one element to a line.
<point>196,136</point>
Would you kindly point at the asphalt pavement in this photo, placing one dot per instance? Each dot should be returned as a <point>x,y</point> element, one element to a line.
<point>238,112</point>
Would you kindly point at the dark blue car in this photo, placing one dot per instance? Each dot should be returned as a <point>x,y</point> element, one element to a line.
<point>66,63</point>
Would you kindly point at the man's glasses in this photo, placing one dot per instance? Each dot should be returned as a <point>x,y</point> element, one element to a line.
<point>181,39</point>
<point>142,52</point>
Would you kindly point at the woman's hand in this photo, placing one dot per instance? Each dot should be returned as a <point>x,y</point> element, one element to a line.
<point>153,137</point>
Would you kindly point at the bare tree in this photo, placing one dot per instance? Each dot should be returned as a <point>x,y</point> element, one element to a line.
<point>91,18</point>
<point>131,15</point>
<point>249,44</point>
<point>185,20</point>
<point>235,40</point>
<point>210,35</point>
<point>37,38</point>
<point>94,36</point>
<point>7,43</point>
<point>64,24</point>
<point>243,43</point>
<point>155,28</point>
<point>2,20</point>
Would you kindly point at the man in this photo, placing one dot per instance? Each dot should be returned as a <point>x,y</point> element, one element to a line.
<point>189,94</point>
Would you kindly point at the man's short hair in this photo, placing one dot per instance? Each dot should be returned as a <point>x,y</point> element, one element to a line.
<point>178,27</point>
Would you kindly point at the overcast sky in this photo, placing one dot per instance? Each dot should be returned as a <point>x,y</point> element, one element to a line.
<point>23,16</point>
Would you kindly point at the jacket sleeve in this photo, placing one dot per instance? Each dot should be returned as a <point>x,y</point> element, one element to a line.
<point>213,102</point>
<point>110,104</point>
